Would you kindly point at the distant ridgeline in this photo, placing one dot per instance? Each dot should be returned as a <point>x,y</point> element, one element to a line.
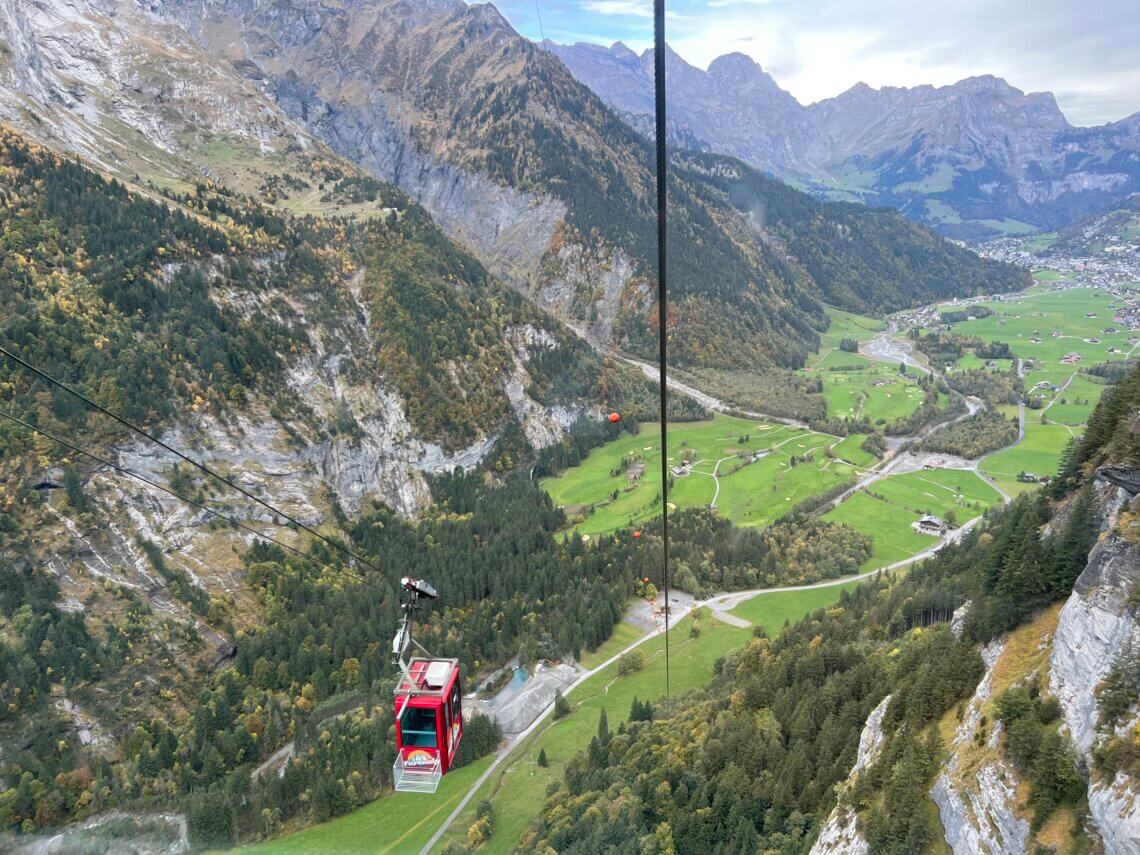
<point>752,762</point>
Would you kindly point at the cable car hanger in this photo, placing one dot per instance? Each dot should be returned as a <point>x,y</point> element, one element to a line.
<point>428,703</point>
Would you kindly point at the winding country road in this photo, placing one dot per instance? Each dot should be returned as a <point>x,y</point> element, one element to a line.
<point>720,604</point>
<point>881,348</point>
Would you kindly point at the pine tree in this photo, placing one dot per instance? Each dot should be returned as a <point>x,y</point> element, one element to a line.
<point>561,705</point>
<point>542,761</point>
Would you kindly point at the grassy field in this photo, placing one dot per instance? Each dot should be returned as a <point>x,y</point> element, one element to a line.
<point>1074,404</point>
<point>772,610</point>
<point>624,634</point>
<point>519,789</point>
<point>887,508</point>
<point>1046,326</point>
<point>873,390</point>
<point>618,485</point>
<point>850,449</point>
<point>1038,453</point>
<point>848,325</point>
<point>401,822</point>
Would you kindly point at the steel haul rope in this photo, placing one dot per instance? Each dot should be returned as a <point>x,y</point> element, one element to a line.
<point>662,313</point>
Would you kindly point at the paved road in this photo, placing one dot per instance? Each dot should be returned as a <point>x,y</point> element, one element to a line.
<point>721,605</point>
<point>708,401</point>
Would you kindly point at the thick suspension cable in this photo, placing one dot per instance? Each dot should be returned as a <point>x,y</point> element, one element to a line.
<point>196,464</point>
<point>185,499</point>
<point>662,313</point>
<point>538,12</point>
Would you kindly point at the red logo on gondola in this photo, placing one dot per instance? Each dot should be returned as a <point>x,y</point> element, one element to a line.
<point>419,757</point>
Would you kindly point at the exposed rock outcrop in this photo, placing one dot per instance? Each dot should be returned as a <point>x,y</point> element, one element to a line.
<point>1122,476</point>
<point>1115,811</point>
<point>977,810</point>
<point>840,834</point>
<point>509,229</point>
<point>1098,622</point>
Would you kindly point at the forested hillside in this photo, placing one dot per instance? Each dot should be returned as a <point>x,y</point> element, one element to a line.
<point>281,350</point>
<point>864,259</point>
<point>751,763</point>
<point>198,301</point>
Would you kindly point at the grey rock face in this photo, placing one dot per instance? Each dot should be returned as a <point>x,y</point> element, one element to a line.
<point>1095,624</point>
<point>733,108</point>
<point>584,285</point>
<point>508,229</point>
<point>980,146</point>
<point>958,619</point>
<point>105,79</point>
<point>978,815</point>
<point>1115,810</point>
<point>1122,476</point>
<point>840,834</point>
<point>981,819</point>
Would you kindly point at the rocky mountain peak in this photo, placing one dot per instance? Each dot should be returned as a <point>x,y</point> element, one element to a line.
<point>981,147</point>
<point>737,68</point>
<point>620,50</point>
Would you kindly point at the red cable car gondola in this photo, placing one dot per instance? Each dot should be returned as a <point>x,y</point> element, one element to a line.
<point>429,708</point>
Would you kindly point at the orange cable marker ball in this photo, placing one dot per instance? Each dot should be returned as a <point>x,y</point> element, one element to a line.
<point>637,534</point>
<point>615,418</point>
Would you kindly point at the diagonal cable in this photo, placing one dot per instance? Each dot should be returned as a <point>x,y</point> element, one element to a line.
<point>192,502</point>
<point>196,464</point>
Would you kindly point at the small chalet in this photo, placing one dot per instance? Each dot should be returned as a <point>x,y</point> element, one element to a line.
<point>930,525</point>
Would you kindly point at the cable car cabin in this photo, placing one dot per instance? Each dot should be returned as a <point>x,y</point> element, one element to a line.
<point>429,724</point>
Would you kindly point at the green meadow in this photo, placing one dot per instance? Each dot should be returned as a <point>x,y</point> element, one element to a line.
<point>1044,327</point>
<point>771,610</point>
<point>618,484</point>
<point>397,823</point>
<point>1038,453</point>
<point>886,508</point>
<point>848,325</point>
<point>867,389</point>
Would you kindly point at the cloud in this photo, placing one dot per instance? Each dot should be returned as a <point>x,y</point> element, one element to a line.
<point>1085,53</point>
<point>634,8</point>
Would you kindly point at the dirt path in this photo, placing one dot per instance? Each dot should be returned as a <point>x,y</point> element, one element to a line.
<point>275,763</point>
<point>710,402</point>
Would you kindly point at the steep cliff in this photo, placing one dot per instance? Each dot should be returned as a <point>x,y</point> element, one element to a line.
<point>1099,631</point>
<point>840,835</point>
<point>975,791</point>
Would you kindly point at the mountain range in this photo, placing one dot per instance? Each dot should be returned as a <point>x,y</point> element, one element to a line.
<point>975,159</point>
<point>510,154</point>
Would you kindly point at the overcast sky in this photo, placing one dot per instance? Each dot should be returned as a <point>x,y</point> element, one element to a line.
<point>1087,52</point>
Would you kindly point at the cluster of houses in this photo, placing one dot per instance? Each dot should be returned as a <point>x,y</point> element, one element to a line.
<point>1071,358</point>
